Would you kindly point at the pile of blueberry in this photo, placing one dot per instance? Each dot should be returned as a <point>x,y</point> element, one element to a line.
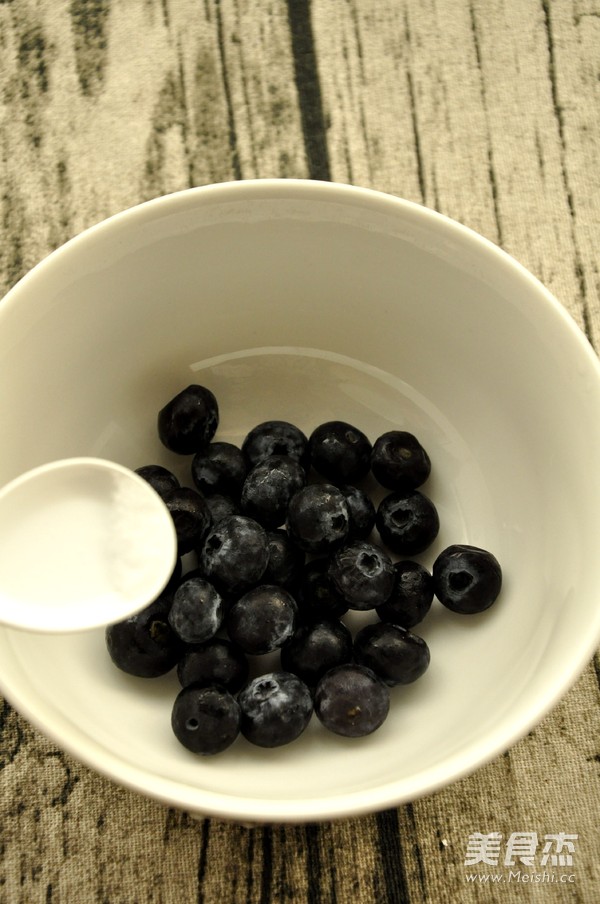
<point>281,529</point>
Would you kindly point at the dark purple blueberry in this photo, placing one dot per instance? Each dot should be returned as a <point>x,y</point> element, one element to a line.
<point>317,597</point>
<point>191,517</point>
<point>160,479</point>
<point>263,619</point>
<point>275,438</point>
<point>206,720</point>
<point>216,661</point>
<point>363,574</point>
<point>361,511</point>
<point>350,700</point>
<point>396,655</point>
<point>466,579</point>
<point>318,518</point>
<point>399,461</point>
<point>316,648</point>
<point>411,596</point>
<point>407,522</point>
<point>275,709</point>
<point>268,488</point>
<point>197,610</point>
<point>340,452</point>
<point>145,645</point>
<point>221,507</point>
<point>235,554</point>
<point>286,560</point>
<point>219,468</point>
<point>189,421</point>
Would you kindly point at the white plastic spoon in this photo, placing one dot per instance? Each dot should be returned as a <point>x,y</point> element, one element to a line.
<point>83,542</point>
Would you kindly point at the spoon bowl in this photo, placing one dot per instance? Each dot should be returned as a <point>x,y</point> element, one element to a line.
<point>86,542</point>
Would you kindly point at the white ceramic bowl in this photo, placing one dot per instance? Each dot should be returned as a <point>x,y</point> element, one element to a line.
<point>309,301</point>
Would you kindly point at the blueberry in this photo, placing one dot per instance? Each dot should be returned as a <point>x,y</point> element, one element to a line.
<point>361,511</point>
<point>191,517</point>
<point>268,488</point>
<point>275,709</point>
<point>263,619</point>
<point>145,645</point>
<point>189,421</point>
<point>399,461</point>
<point>396,655</point>
<point>407,522</point>
<point>318,519</point>
<point>275,438</point>
<point>206,720</point>
<point>316,648</point>
<point>216,661</point>
<point>219,468</point>
<point>363,574</point>
<point>466,579</point>
<point>350,700</point>
<point>411,596</point>
<point>197,610</point>
<point>159,478</point>
<point>221,507</point>
<point>286,560</point>
<point>317,597</point>
<point>340,452</point>
<point>235,554</point>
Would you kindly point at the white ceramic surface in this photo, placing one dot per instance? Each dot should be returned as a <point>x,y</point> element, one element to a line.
<point>307,301</point>
<point>104,544</point>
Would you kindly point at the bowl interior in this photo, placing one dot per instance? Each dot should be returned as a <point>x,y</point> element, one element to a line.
<point>308,302</point>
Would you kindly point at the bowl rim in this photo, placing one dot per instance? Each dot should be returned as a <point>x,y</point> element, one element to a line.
<point>272,188</point>
<point>391,794</point>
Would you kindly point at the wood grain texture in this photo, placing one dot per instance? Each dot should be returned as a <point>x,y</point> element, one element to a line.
<point>486,110</point>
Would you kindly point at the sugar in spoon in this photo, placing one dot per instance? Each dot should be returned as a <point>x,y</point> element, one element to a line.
<point>84,542</point>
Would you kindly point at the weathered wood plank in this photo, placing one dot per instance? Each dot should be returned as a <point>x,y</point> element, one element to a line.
<point>259,65</point>
<point>573,30</point>
<point>136,101</point>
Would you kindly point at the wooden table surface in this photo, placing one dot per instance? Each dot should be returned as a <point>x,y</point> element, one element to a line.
<point>486,110</point>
